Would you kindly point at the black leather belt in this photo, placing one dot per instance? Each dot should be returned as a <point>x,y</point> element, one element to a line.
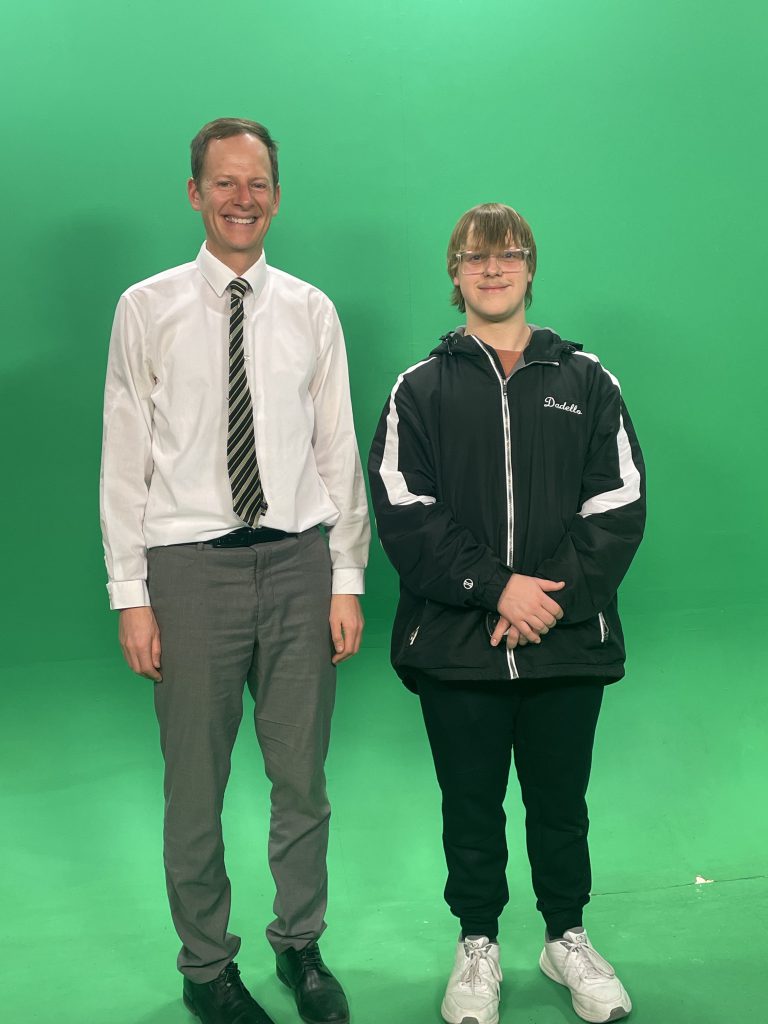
<point>245,537</point>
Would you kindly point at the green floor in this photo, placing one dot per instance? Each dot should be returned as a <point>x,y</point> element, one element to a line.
<point>678,792</point>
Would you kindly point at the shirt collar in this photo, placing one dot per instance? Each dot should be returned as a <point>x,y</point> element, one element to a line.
<point>219,276</point>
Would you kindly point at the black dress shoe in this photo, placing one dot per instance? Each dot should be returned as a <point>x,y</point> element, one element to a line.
<point>320,998</point>
<point>225,1000</point>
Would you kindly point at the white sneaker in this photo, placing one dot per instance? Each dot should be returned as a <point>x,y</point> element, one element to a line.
<point>596,993</point>
<point>472,993</point>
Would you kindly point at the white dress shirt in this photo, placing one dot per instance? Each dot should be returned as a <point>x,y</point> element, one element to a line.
<point>164,463</point>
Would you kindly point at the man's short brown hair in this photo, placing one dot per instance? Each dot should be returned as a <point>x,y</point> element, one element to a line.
<point>490,226</point>
<point>225,128</point>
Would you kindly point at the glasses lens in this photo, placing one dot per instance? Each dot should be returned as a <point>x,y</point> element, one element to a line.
<point>510,261</point>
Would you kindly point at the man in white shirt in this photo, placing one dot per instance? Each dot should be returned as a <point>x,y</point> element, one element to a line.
<point>227,388</point>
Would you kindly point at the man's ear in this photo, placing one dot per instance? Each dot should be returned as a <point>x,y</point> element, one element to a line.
<point>194,194</point>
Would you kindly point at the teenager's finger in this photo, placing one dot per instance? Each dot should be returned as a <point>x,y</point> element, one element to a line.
<point>529,633</point>
<point>500,630</point>
<point>550,584</point>
<point>551,606</point>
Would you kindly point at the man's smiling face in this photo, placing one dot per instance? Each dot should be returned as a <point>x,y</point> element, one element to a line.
<point>237,199</point>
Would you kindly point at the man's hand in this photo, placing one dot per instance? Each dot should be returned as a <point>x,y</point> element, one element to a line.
<point>346,619</point>
<point>140,640</point>
<point>526,612</point>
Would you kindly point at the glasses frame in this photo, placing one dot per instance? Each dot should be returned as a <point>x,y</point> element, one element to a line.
<point>460,256</point>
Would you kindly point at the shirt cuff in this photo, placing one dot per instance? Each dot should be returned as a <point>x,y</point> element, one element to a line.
<point>348,581</point>
<point>128,594</point>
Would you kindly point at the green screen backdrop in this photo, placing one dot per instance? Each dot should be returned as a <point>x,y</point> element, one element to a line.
<point>630,135</point>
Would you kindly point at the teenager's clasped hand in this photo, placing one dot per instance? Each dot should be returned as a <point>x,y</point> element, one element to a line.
<point>526,612</point>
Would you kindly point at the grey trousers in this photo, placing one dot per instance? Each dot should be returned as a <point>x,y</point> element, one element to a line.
<point>228,616</point>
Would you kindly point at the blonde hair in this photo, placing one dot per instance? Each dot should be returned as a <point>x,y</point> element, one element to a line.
<point>490,226</point>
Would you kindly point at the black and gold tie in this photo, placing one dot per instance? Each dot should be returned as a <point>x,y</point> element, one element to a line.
<point>247,494</point>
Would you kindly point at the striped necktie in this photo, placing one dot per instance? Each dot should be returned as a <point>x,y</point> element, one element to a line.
<point>247,494</point>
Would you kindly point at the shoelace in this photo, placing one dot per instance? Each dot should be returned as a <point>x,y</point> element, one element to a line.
<point>229,980</point>
<point>588,961</point>
<point>310,958</point>
<point>230,975</point>
<point>477,956</point>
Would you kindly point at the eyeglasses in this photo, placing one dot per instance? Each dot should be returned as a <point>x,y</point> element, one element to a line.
<point>510,261</point>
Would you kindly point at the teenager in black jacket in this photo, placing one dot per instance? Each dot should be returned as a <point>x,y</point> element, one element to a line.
<point>509,493</point>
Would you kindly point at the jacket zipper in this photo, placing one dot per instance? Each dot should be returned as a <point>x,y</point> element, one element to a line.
<point>511,664</point>
<point>514,674</point>
<point>603,628</point>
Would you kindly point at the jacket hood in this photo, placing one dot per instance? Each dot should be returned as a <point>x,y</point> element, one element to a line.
<point>545,346</point>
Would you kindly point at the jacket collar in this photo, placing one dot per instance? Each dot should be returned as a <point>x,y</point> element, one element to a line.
<point>544,347</point>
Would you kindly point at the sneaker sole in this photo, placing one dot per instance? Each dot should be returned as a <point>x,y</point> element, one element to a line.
<point>617,1013</point>
<point>466,1020</point>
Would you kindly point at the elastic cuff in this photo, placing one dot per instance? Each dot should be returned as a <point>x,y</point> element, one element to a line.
<point>488,595</point>
<point>490,930</point>
<point>558,926</point>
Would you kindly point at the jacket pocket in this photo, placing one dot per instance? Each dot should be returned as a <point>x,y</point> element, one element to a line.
<point>604,630</point>
<point>443,636</point>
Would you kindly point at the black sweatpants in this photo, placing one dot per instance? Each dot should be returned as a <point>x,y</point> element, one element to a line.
<point>474,729</point>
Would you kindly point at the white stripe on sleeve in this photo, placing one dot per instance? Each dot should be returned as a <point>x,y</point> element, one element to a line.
<point>630,475</point>
<point>392,478</point>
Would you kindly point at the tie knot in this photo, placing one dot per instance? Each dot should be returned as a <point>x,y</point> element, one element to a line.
<point>238,287</point>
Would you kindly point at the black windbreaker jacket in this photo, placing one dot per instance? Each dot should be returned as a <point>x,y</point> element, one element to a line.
<point>475,476</point>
